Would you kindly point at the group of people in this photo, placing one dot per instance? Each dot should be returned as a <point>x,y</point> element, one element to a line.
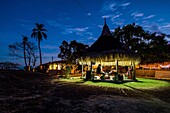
<point>100,72</point>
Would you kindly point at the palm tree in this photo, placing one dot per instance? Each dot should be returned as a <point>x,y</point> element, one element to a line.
<point>24,41</point>
<point>39,32</point>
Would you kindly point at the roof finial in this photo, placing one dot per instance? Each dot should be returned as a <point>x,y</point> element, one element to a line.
<point>106,30</point>
<point>105,20</point>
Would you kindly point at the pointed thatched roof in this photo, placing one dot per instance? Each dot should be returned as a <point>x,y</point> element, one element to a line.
<point>105,42</point>
<point>107,48</point>
<point>106,30</point>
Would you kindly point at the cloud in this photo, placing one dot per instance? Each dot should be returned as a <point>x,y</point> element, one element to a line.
<point>89,33</point>
<point>118,22</point>
<point>155,28</point>
<point>100,26</point>
<point>150,16</point>
<point>166,26</point>
<point>152,27</point>
<point>74,30</point>
<point>136,14</point>
<point>68,29</point>
<point>90,37</point>
<point>112,30</point>
<point>77,31</point>
<point>57,24</point>
<point>116,16</point>
<point>161,20</point>
<point>107,16</point>
<point>125,4</point>
<point>109,6</point>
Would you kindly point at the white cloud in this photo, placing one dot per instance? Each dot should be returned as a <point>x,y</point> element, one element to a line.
<point>144,21</point>
<point>89,33</point>
<point>90,38</point>
<point>68,29</point>
<point>161,20</point>
<point>119,22</point>
<point>80,29</point>
<point>107,16</point>
<point>147,26</point>
<point>150,16</point>
<point>155,28</point>
<point>77,31</point>
<point>109,6</point>
<point>125,4</point>
<point>136,14</point>
<point>116,16</point>
<point>100,26</point>
<point>112,30</point>
<point>167,25</point>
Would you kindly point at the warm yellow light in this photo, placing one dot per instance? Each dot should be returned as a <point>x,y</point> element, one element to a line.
<point>52,66</point>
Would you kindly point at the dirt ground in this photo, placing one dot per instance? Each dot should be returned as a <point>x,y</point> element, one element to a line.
<point>23,92</point>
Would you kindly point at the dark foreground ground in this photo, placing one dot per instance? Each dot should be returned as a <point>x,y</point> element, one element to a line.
<point>22,92</point>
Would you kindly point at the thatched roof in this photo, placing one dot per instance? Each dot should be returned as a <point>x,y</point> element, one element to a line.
<point>104,43</point>
<point>108,48</point>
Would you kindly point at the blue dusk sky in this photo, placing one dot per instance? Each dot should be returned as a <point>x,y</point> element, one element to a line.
<point>79,20</point>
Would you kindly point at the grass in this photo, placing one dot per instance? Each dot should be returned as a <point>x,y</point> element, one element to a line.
<point>142,83</point>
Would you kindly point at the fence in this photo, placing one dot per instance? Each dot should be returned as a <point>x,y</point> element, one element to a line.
<point>158,74</point>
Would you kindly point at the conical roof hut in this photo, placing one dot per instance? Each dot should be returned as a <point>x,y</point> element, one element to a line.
<point>107,50</point>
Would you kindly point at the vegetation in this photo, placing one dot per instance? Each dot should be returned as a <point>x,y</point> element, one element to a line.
<point>152,47</point>
<point>25,50</point>
<point>71,51</point>
<point>9,65</point>
<point>143,83</point>
<point>39,33</point>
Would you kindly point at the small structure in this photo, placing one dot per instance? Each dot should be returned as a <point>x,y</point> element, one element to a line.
<point>55,67</point>
<point>108,51</point>
<point>60,67</point>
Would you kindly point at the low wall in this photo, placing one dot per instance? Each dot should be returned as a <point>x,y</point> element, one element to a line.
<point>162,75</point>
<point>158,74</point>
<point>145,73</point>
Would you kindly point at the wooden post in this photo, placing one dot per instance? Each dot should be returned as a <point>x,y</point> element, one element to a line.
<point>134,71</point>
<point>82,69</point>
<point>116,65</point>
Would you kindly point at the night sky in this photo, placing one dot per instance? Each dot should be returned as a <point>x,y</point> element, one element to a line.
<point>79,20</point>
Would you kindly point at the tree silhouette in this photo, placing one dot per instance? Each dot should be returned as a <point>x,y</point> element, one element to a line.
<point>71,51</point>
<point>39,33</point>
<point>152,47</point>
<point>25,50</point>
<point>25,39</point>
<point>9,65</point>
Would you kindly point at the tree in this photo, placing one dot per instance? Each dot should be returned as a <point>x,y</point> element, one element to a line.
<point>25,39</point>
<point>71,51</point>
<point>9,65</point>
<point>158,47</point>
<point>25,50</point>
<point>39,32</point>
<point>150,46</point>
<point>130,36</point>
